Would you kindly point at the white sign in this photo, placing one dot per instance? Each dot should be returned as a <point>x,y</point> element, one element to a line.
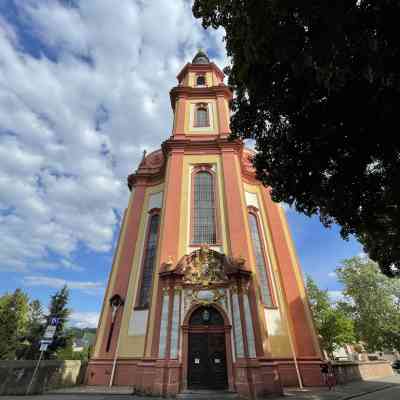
<point>43,346</point>
<point>197,360</point>
<point>49,332</point>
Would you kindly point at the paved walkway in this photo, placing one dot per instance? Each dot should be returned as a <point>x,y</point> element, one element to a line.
<point>349,391</point>
<point>373,389</point>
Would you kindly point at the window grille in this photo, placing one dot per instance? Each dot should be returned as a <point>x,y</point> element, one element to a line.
<point>204,227</point>
<point>201,116</point>
<point>260,261</point>
<point>149,261</point>
<point>201,80</point>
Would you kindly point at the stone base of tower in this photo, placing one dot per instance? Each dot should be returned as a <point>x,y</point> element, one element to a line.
<point>251,378</point>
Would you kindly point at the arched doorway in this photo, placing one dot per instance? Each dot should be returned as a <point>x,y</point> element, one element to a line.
<point>207,364</point>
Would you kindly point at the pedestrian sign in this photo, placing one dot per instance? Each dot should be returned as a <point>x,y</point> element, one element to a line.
<point>54,321</point>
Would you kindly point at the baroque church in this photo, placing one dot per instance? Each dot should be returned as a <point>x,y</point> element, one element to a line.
<point>206,290</point>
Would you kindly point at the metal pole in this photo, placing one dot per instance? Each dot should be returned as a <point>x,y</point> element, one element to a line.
<point>115,359</point>
<point>282,301</point>
<point>295,358</point>
<point>34,373</point>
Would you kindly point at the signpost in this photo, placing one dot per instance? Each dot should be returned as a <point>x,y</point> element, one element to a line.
<point>44,343</point>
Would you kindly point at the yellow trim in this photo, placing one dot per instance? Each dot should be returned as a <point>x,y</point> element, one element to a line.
<point>299,277</point>
<point>209,79</point>
<point>213,129</point>
<point>133,346</point>
<point>111,280</point>
<point>278,345</point>
<point>188,162</point>
<point>191,79</point>
<point>151,316</point>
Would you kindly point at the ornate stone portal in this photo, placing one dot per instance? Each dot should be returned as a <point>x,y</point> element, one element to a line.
<point>251,323</point>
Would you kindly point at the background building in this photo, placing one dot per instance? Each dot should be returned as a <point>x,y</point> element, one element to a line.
<point>213,296</point>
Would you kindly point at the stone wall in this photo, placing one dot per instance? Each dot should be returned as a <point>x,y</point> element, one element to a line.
<point>16,375</point>
<point>360,370</point>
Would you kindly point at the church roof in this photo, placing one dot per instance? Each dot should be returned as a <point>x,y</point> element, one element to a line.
<point>201,58</point>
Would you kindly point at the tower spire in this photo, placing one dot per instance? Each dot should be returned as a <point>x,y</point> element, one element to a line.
<point>201,57</point>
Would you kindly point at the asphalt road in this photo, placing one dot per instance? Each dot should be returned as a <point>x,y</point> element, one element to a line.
<point>392,393</point>
<point>77,397</point>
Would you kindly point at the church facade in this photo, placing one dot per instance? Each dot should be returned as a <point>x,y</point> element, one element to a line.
<point>205,291</point>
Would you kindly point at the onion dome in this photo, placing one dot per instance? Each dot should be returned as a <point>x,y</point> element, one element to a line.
<point>201,58</point>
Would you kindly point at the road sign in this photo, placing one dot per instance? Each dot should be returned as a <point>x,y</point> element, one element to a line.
<point>49,332</point>
<point>43,346</point>
<point>54,321</point>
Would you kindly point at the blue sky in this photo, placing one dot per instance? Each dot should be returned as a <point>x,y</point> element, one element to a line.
<point>83,91</point>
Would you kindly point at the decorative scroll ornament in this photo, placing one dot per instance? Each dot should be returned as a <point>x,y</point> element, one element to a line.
<point>204,269</point>
<point>206,297</point>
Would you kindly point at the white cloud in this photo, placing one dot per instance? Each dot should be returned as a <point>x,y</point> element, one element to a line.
<point>73,126</point>
<point>57,283</point>
<point>332,274</point>
<point>84,319</point>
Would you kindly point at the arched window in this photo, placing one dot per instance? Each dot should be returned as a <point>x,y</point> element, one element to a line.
<point>149,260</point>
<point>258,248</point>
<point>200,80</point>
<point>203,214</point>
<point>201,118</point>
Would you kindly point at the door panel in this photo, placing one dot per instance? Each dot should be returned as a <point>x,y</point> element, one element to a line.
<point>207,361</point>
<point>198,363</point>
<point>217,360</point>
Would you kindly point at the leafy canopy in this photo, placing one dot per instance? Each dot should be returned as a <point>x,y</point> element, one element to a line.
<point>373,303</point>
<point>58,308</point>
<point>13,323</point>
<point>317,85</point>
<point>334,327</point>
<point>29,347</point>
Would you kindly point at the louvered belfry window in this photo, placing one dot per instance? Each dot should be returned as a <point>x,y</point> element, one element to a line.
<point>260,261</point>
<point>149,261</point>
<point>204,228</point>
<point>201,116</point>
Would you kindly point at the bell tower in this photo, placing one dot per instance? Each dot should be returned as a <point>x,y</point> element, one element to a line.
<point>200,101</point>
<point>211,292</point>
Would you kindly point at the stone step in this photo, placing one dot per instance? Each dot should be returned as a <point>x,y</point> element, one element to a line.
<point>95,390</point>
<point>207,394</point>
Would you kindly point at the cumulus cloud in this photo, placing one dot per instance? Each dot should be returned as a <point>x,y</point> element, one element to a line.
<point>57,283</point>
<point>76,116</point>
<point>84,319</point>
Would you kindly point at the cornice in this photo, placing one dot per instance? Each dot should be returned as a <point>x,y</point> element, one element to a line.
<point>199,92</point>
<point>200,68</point>
<point>151,169</point>
<point>216,144</point>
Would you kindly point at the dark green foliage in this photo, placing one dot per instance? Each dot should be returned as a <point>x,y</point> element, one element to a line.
<point>13,323</point>
<point>317,85</point>
<point>29,349</point>
<point>58,308</point>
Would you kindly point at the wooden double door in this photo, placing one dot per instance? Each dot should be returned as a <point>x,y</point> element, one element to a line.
<point>207,361</point>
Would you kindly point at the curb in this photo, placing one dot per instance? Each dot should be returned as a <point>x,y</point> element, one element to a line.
<point>359,394</point>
